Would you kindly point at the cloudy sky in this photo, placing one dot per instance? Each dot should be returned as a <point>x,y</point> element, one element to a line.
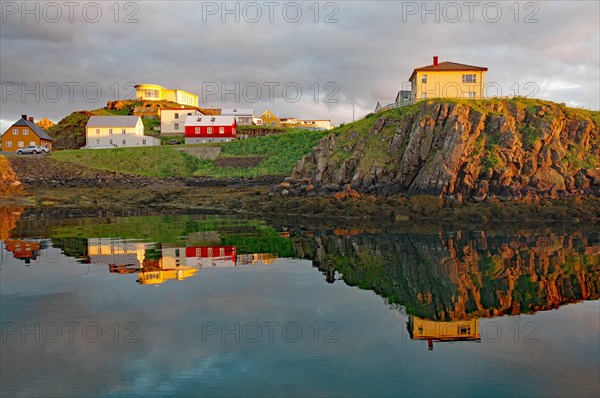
<point>301,59</point>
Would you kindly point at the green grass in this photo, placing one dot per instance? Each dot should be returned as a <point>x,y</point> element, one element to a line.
<point>159,161</point>
<point>280,153</point>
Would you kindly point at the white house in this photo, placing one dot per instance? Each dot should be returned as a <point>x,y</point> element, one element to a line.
<point>243,117</point>
<point>172,120</point>
<point>316,124</point>
<point>117,131</point>
<point>257,121</point>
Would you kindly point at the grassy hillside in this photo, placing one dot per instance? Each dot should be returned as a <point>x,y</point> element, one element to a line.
<point>276,155</point>
<point>69,133</point>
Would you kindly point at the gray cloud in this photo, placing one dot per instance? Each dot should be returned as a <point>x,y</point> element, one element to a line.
<point>368,54</point>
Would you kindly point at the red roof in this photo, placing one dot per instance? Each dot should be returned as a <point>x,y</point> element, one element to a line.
<point>447,66</point>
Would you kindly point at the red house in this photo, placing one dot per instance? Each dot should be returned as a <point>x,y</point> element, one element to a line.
<point>200,129</point>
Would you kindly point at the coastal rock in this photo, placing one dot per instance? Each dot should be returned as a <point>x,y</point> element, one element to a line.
<point>502,148</point>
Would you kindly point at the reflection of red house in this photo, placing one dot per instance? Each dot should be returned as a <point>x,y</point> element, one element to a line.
<point>211,256</point>
<point>22,249</point>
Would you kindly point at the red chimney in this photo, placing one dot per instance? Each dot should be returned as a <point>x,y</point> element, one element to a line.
<point>31,118</point>
<point>435,61</point>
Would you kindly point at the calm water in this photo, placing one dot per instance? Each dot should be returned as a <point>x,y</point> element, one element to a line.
<point>197,305</point>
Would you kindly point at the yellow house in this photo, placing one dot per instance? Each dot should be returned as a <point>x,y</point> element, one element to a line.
<point>447,79</point>
<point>269,119</point>
<point>46,123</point>
<point>154,92</point>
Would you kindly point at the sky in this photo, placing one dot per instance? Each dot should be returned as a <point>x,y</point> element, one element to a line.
<point>301,59</point>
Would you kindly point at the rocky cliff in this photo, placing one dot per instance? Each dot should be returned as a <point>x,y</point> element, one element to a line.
<point>460,149</point>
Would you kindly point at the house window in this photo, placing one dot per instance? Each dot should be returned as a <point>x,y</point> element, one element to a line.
<point>124,142</point>
<point>25,132</point>
<point>197,130</point>
<point>20,144</point>
<point>273,123</point>
<point>97,142</point>
<point>209,130</point>
<point>9,144</point>
<point>424,79</point>
<point>423,95</point>
<point>189,113</point>
<point>143,142</point>
<point>469,78</point>
<point>221,130</point>
<point>122,131</point>
<point>110,142</point>
<point>31,142</point>
<point>109,131</point>
<point>176,126</point>
<point>15,131</point>
<point>267,115</point>
<point>176,115</point>
<point>97,131</point>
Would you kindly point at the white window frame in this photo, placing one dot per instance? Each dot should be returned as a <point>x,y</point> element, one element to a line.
<point>209,130</point>
<point>20,144</point>
<point>221,130</point>
<point>9,144</point>
<point>15,132</point>
<point>25,132</point>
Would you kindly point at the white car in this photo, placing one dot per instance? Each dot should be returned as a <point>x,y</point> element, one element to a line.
<point>34,149</point>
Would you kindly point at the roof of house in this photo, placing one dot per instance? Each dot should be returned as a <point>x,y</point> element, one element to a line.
<point>237,112</point>
<point>209,120</point>
<point>447,66</point>
<point>113,121</point>
<point>34,127</point>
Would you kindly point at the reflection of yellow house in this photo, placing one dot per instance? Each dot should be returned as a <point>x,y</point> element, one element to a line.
<point>154,92</point>
<point>423,329</point>
<point>156,277</point>
<point>447,79</point>
<point>269,119</point>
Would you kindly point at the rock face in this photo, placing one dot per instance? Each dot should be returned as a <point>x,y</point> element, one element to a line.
<point>462,149</point>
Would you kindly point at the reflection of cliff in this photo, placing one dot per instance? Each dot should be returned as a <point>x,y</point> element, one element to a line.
<point>464,275</point>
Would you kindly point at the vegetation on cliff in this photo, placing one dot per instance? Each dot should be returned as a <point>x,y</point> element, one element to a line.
<point>462,149</point>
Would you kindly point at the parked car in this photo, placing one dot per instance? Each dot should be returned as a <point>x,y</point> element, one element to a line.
<point>173,142</point>
<point>34,149</point>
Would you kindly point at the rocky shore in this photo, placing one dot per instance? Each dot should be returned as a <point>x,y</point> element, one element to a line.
<point>504,149</point>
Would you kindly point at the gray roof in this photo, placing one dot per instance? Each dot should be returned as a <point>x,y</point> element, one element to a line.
<point>112,121</point>
<point>36,129</point>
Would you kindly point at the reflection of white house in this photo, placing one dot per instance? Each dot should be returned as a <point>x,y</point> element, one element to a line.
<point>172,121</point>
<point>243,117</point>
<point>115,251</point>
<point>117,131</point>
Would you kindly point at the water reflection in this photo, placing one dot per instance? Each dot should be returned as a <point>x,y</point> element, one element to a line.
<point>436,289</point>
